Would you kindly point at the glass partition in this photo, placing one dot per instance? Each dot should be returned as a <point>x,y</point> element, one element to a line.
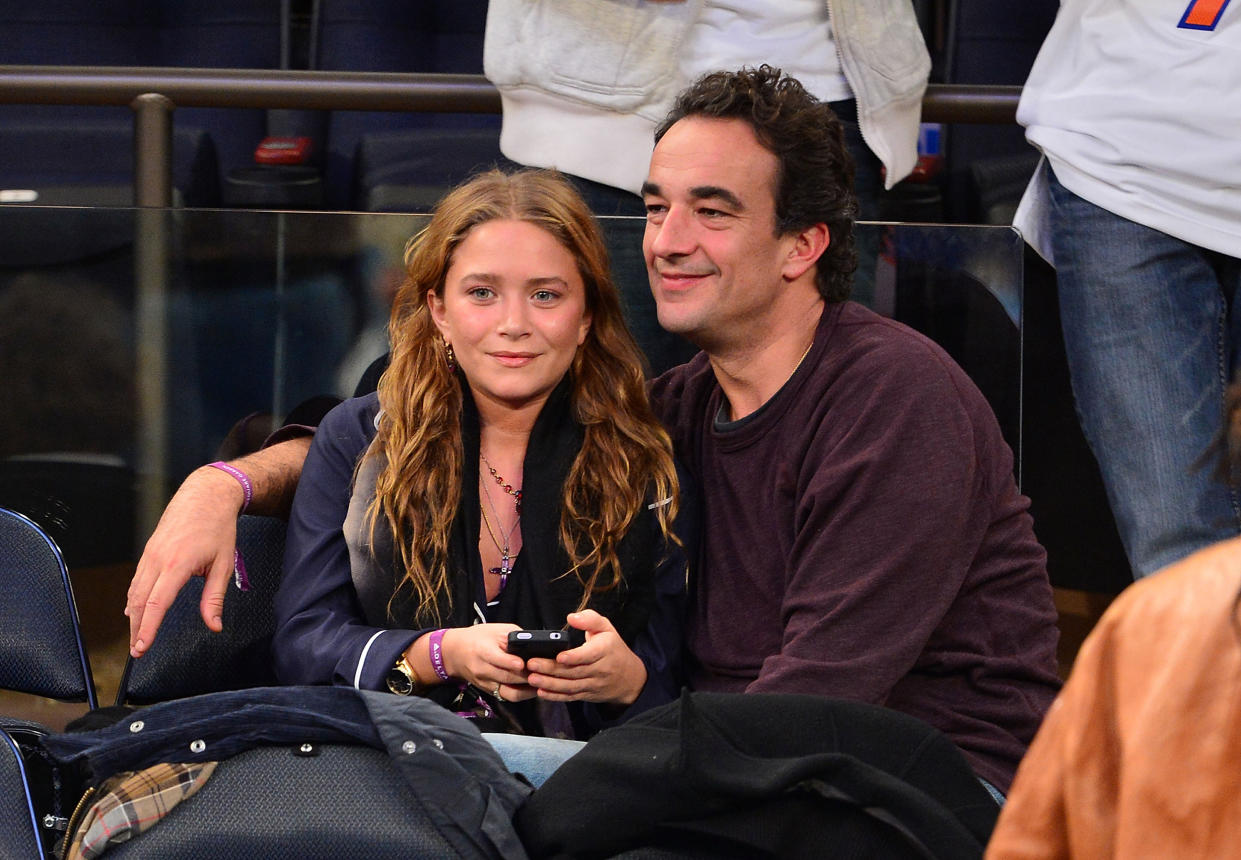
<point>138,344</point>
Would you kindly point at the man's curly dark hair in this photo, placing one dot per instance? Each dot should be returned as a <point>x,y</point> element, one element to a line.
<point>814,182</point>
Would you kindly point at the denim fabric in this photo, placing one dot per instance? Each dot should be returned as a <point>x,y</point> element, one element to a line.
<point>995,793</point>
<point>459,779</point>
<point>533,757</point>
<point>1151,332</point>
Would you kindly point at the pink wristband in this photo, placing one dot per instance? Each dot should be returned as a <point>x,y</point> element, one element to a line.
<point>242,478</point>
<point>240,578</point>
<point>436,646</point>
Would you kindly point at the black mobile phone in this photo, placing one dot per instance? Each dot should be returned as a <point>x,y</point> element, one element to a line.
<point>543,643</point>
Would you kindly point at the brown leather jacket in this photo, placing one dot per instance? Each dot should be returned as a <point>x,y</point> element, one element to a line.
<point>1140,754</point>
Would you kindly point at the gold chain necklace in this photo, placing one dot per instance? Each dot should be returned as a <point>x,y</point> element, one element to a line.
<point>504,485</point>
<point>506,560</point>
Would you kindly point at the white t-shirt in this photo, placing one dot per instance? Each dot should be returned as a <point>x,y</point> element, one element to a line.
<point>792,35</point>
<point>1137,106</point>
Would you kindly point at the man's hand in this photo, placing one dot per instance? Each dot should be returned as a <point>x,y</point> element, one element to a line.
<point>196,536</point>
<point>602,670</point>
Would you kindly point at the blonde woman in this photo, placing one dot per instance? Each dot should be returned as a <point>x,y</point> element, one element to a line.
<point>508,474</point>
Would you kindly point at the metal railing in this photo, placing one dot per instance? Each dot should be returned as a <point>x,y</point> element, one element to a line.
<point>154,93</point>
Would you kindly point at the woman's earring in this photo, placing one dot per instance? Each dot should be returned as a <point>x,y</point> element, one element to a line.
<point>450,356</point>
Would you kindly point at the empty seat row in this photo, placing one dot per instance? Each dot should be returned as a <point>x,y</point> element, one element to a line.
<point>84,155</point>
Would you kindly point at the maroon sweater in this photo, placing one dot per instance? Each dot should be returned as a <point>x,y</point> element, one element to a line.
<point>864,539</point>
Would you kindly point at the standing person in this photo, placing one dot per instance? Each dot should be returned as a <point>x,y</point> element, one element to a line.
<point>864,535</point>
<point>585,84</point>
<point>508,474</point>
<point>1137,111</point>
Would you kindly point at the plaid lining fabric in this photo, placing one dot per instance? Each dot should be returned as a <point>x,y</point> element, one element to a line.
<point>132,802</point>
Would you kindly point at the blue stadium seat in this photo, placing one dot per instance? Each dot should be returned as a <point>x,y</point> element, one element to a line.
<point>221,34</point>
<point>19,824</point>
<point>371,156</point>
<point>187,659</point>
<point>40,640</point>
<point>84,155</point>
<point>988,44</point>
<point>91,162</point>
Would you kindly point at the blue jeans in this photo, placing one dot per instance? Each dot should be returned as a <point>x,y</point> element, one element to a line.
<point>996,794</point>
<point>534,758</point>
<point>1152,331</point>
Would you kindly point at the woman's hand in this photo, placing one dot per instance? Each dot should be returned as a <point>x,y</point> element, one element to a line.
<point>602,670</point>
<point>478,656</point>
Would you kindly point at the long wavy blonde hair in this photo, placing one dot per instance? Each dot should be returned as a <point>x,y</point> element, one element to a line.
<point>626,456</point>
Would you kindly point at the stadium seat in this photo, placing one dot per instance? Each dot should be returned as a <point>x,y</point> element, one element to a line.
<point>187,659</point>
<point>386,161</point>
<point>986,44</point>
<point>40,639</point>
<point>78,155</point>
<point>41,653</point>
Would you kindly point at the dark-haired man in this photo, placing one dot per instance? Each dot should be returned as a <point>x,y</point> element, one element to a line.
<point>864,536</point>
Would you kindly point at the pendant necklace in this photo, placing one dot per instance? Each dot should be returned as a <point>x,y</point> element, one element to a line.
<point>506,561</point>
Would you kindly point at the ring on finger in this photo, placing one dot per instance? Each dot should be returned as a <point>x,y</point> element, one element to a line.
<point>497,693</point>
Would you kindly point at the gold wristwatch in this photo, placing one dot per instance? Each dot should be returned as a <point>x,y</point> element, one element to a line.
<point>403,680</point>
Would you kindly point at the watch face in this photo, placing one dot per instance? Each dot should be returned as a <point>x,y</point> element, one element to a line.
<point>400,683</point>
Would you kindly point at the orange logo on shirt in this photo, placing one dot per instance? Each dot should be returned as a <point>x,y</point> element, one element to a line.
<point>1202,14</point>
